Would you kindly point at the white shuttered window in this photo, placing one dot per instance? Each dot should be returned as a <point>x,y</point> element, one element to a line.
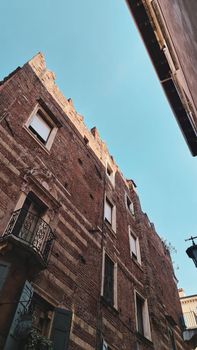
<point>108,211</point>
<point>134,247</point>
<point>40,127</point>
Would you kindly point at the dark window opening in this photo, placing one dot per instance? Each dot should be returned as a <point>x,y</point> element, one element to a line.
<point>172,340</point>
<point>42,313</point>
<point>108,291</point>
<point>139,306</point>
<point>31,211</point>
<point>130,206</point>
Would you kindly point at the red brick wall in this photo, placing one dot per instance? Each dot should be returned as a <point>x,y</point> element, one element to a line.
<point>71,180</point>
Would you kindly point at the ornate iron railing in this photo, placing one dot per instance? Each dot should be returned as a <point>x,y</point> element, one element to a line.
<point>32,230</point>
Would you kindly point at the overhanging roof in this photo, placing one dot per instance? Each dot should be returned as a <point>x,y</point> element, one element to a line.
<point>164,73</point>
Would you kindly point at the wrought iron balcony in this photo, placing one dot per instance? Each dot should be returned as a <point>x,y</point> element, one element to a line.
<point>32,232</point>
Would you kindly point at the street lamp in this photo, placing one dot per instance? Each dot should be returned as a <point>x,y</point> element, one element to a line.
<point>192,251</point>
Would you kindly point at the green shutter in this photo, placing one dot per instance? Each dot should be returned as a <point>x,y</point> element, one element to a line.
<point>22,307</point>
<point>4,267</point>
<point>61,329</point>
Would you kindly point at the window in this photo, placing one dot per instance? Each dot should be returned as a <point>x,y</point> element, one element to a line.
<point>108,211</point>
<point>129,205</point>
<point>42,126</point>
<point>32,311</point>
<point>4,268</point>
<point>139,306</point>
<point>110,173</point>
<point>171,339</point>
<point>29,217</point>
<point>42,313</point>
<point>134,247</point>
<point>108,291</point>
<point>105,346</point>
<point>110,214</point>
<point>142,317</point>
<point>109,281</point>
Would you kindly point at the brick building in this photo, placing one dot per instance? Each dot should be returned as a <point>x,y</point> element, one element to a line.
<point>169,31</point>
<point>80,263</point>
<point>189,308</point>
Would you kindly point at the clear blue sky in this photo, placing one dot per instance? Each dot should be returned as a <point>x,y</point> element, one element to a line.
<point>100,62</point>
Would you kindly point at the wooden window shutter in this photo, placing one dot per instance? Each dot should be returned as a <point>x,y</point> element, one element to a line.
<point>61,329</point>
<point>109,280</point>
<point>4,267</point>
<point>24,302</point>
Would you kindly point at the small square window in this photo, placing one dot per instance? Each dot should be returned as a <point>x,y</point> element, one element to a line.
<point>40,127</point>
<point>43,126</point>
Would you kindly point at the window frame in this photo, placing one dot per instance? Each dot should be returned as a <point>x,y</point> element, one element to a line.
<point>112,224</point>
<point>129,205</point>
<point>40,305</point>
<point>145,316</point>
<point>39,110</point>
<point>115,299</point>
<point>135,255</point>
<point>105,345</point>
<point>172,339</point>
<point>110,173</point>
<point>4,271</point>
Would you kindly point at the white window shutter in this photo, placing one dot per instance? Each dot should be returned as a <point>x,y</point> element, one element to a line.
<point>41,126</point>
<point>132,241</point>
<point>108,211</point>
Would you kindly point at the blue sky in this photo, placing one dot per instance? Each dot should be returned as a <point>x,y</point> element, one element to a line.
<point>100,62</point>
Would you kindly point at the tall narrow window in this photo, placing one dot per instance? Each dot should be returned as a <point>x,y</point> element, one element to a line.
<point>108,290</point>
<point>129,205</point>
<point>139,306</point>
<point>134,247</point>
<point>142,316</point>
<point>110,173</point>
<point>4,268</point>
<point>108,211</point>
<point>171,339</point>
<point>29,218</point>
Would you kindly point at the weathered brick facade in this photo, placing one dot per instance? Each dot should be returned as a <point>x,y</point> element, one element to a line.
<point>71,182</point>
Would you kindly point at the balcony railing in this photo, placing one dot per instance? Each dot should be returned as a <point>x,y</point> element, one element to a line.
<point>31,230</point>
